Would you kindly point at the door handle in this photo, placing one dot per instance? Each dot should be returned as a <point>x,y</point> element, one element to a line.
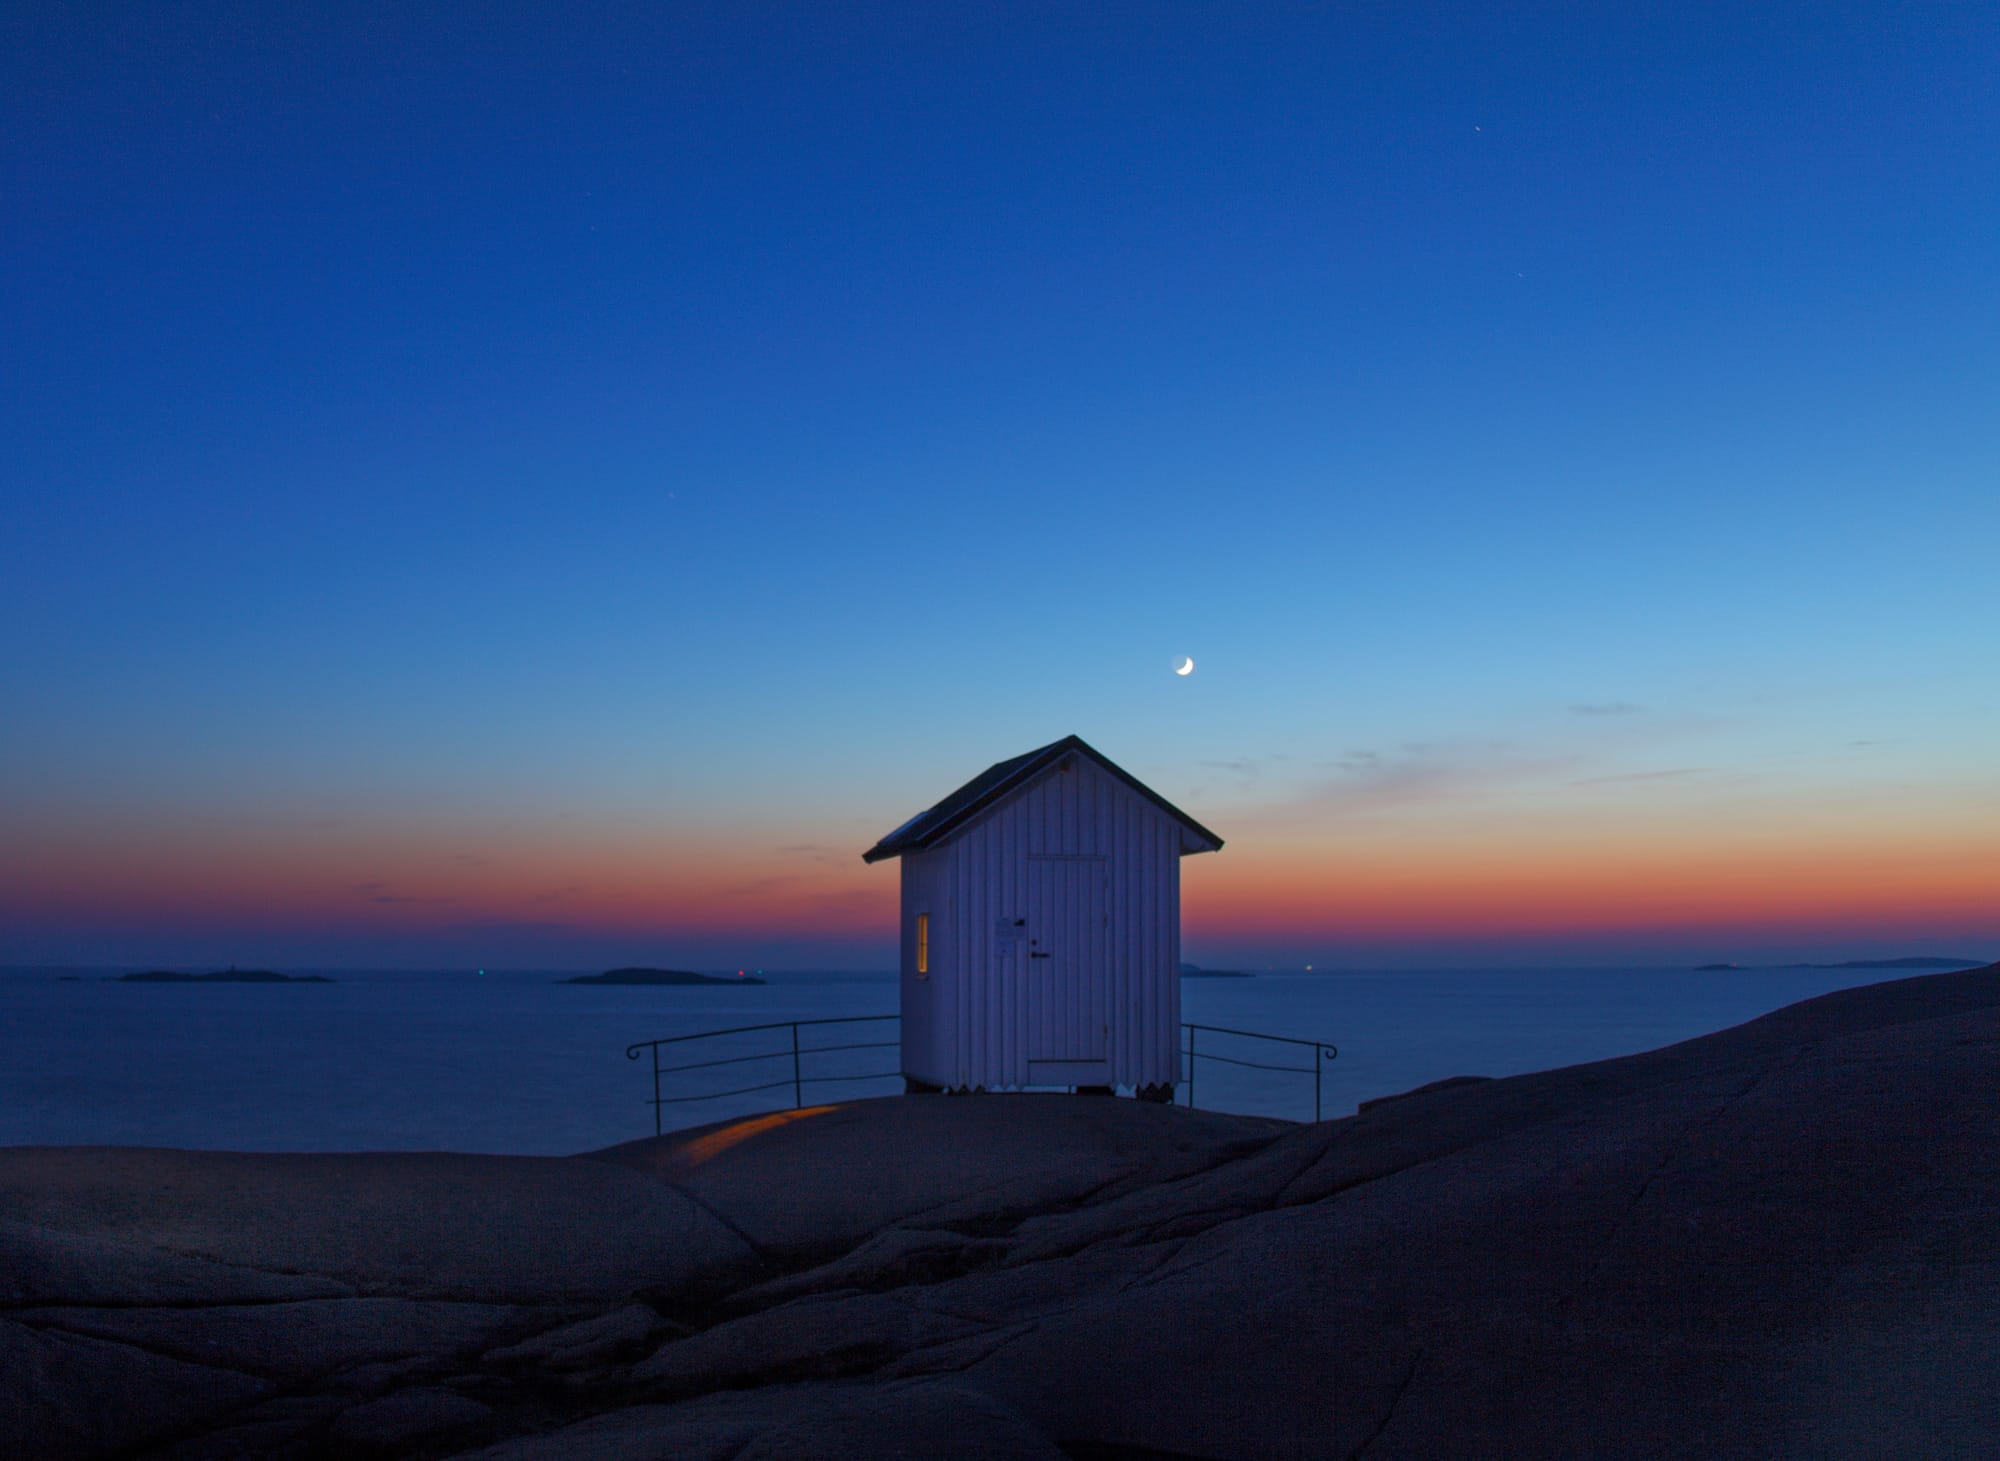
<point>1041,956</point>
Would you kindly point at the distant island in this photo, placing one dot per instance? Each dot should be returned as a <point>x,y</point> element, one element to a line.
<point>659,976</point>
<point>1195,971</point>
<point>221,976</point>
<point>1915,961</point>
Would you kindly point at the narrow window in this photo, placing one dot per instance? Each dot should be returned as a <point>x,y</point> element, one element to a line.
<point>923,943</point>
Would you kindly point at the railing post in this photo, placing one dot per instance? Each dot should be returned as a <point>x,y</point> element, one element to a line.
<point>1317,1069</point>
<point>656,1088</point>
<point>1190,1030</point>
<point>798,1091</point>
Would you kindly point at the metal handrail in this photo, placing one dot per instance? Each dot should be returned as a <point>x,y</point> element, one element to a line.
<point>711,1096</point>
<point>799,1080</point>
<point>796,1051</point>
<point>1326,1051</point>
<point>632,1050</point>
<point>1253,1064</point>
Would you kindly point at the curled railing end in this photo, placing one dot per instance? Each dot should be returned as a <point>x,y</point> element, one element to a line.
<point>632,1051</point>
<point>1329,1052</point>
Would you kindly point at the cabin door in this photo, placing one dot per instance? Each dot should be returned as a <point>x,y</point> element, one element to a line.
<point>1069,970</point>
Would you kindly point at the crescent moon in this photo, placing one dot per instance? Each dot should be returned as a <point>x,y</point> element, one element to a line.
<point>1186,666</point>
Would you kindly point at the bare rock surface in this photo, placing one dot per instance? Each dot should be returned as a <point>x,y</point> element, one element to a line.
<point>408,1419</point>
<point>65,1395</point>
<point>600,1339</point>
<point>49,1265</point>
<point>980,1160</point>
<point>291,1341</point>
<point>412,1224</point>
<point>1779,1240</point>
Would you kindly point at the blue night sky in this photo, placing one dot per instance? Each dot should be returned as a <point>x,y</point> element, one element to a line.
<point>552,484</point>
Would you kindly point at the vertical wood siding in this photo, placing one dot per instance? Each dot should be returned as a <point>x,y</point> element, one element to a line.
<point>926,1004</point>
<point>1076,842</point>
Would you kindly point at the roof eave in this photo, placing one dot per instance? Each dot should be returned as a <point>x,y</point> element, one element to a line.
<point>1031,767</point>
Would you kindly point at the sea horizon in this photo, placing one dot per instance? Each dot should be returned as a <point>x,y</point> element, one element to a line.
<point>888,971</point>
<point>443,1059</point>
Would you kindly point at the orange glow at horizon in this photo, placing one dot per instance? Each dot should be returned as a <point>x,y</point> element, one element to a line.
<point>1503,876</point>
<point>1478,891</point>
<point>603,880</point>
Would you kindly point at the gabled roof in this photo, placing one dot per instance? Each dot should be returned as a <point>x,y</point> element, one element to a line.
<point>1001,780</point>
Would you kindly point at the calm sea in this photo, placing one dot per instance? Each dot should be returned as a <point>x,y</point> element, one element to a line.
<point>517,1062</point>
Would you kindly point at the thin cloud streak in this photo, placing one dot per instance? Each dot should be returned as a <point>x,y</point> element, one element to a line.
<point>378,892</point>
<point>817,852</point>
<point>1424,774</point>
<point>1678,773</point>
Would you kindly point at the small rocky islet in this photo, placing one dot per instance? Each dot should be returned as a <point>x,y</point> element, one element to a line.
<point>659,976</point>
<point>220,976</point>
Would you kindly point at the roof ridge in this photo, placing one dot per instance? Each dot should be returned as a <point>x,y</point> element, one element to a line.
<point>1000,781</point>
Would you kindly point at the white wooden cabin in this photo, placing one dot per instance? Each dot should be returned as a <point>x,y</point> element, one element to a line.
<point>1041,928</point>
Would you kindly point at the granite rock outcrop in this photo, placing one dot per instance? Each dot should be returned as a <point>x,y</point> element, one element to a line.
<point>1779,1240</point>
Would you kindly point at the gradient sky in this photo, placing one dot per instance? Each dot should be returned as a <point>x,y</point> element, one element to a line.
<point>550,485</point>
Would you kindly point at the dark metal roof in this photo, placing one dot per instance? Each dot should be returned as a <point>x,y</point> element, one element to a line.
<point>1001,780</point>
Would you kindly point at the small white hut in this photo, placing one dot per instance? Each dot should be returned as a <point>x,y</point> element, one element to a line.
<point>1041,928</point>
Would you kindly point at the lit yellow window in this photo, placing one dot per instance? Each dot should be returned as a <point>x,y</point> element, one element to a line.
<point>923,943</point>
